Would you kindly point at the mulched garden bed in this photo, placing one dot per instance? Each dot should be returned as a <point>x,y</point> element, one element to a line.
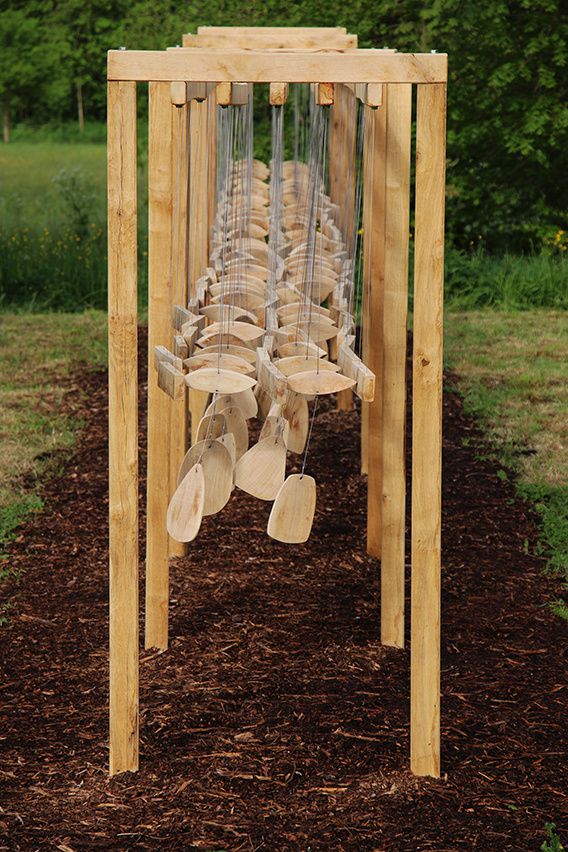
<point>276,720</point>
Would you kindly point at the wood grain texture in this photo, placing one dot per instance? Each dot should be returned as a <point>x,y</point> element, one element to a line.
<point>292,514</point>
<point>427,430</point>
<point>123,426</point>
<point>376,259</point>
<point>179,419</point>
<point>159,333</point>
<point>266,66</point>
<point>395,307</point>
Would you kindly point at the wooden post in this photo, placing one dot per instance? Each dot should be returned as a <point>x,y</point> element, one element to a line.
<point>159,333</point>
<point>123,425</point>
<point>366,216</point>
<point>427,430</point>
<point>394,361</point>
<point>199,188</point>
<point>178,296</point>
<point>378,119</point>
<point>346,190</point>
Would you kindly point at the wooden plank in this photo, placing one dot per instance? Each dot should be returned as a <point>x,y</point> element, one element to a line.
<point>374,359</point>
<point>348,140</point>
<point>159,333</point>
<point>199,194</point>
<point>366,258</point>
<point>178,293</point>
<point>274,37</point>
<point>265,66</point>
<point>427,431</point>
<point>394,361</point>
<point>123,426</point>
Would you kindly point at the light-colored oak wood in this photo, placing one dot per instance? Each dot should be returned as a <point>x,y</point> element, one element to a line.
<point>211,426</point>
<point>221,361</point>
<point>242,352</point>
<point>179,291</point>
<point>199,218</point>
<point>245,331</point>
<point>123,426</point>
<point>245,400</point>
<point>228,441</point>
<point>427,431</point>
<point>301,363</point>
<point>216,460</point>
<point>185,511</point>
<point>295,410</point>
<point>237,426</point>
<point>292,514</point>
<point>213,380</point>
<point>261,470</point>
<point>318,382</point>
<point>159,333</point>
<point>263,66</point>
<point>395,307</point>
<point>375,233</point>
<point>275,424</point>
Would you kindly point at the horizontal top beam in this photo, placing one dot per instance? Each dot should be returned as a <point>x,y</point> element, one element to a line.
<point>271,37</point>
<point>283,66</point>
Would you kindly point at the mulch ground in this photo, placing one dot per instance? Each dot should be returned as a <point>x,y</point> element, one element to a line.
<point>276,720</point>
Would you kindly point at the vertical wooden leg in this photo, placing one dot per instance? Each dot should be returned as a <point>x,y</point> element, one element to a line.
<point>159,332</point>
<point>199,189</point>
<point>367,212</point>
<point>179,273</point>
<point>378,119</point>
<point>123,425</point>
<point>346,193</point>
<point>427,430</point>
<point>394,362</point>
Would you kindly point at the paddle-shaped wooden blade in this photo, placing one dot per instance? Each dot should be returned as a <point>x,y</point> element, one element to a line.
<point>228,441</point>
<point>204,360</point>
<point>210,426</point>
<point>185,511</point>
<point>295,410</point>
<point>216,461</point>
<point>261,470</point>
<point>293,511</point>
<point>237,426</point>
<point>301,364</point>
<point>319,382</point>
<point>275,425</point>
<point>246,401</point>
<point>219,381</point>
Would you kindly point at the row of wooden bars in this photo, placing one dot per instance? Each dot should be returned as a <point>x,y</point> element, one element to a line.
<point>386,223</point>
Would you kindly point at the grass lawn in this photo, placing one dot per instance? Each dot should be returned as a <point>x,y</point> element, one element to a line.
<point>514,370</point>
<point>38,354</point>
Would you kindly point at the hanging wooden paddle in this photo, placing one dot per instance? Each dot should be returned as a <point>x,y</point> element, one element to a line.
<point>185,511</point>
<point>261,470</point>
<point>219,381</point>
<point>293,511</point>
<point>237,426</point>
<point>216,460</point>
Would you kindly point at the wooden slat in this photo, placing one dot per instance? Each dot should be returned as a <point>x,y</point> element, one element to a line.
<point>178,292</point>
<point>426,431</point>
<point>376,235</point>
<point>266,66</point>
<point>199,194</point>
<point>367,213</point>
<point>348,141</point>
<point>394,361</point>
<point>159,333</point>
<point>123,426</point>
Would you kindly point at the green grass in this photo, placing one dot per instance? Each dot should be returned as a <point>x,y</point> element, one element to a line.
<point>514,380</point>
<point>38,356</point>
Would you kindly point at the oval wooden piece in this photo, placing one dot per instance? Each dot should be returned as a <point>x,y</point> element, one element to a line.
<point>224,361</point>
<point>219,381</point>
<point>215,459</point>
<point>224,339</point>
<point>185,511</point>
<point>237,426</point>
<point>319,383</point>
<point>228,441</point>
<point>243,330</point>
<point>301,363</point>
<point>230,349</point>
<point>292,514</point>
<point>245,400</point>
<point>300,347</point>
<point>229,310</point>
<point>295,410</point>
<point>210,426</point>
<point>262,469</point>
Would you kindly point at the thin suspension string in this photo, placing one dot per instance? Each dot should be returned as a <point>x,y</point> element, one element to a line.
<point>308,441</point>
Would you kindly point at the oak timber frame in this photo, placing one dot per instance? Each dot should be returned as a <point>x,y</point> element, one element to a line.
<point>386,236</point>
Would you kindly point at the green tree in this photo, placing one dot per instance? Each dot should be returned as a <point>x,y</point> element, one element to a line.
<point>21,72</point>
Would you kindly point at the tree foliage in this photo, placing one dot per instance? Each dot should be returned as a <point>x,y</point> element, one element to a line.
<point>507,93</point>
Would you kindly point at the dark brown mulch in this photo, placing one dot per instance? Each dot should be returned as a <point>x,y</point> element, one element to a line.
<point>276,720</point>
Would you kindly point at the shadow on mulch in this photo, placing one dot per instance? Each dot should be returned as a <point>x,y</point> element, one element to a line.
<point>276,720</point>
